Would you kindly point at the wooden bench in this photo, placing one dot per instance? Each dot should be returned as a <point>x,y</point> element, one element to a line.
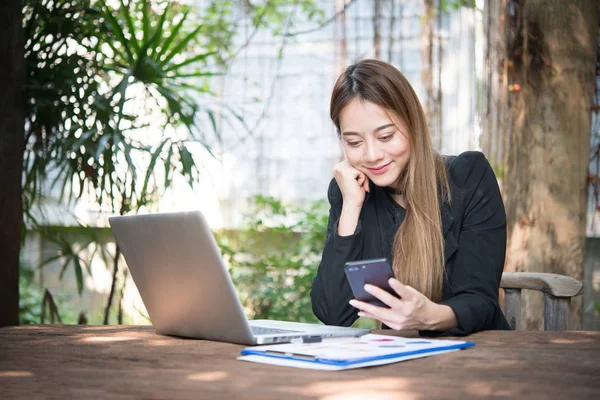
<point>557,289</point>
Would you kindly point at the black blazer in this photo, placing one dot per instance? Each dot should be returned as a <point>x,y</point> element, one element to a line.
<point>474,228</point>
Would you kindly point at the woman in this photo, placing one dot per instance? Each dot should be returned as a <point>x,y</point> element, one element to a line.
<point>440,220</point>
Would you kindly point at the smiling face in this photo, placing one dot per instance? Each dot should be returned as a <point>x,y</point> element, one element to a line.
<point>374,142</point>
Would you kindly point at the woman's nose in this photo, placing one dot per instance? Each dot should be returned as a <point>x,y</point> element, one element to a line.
<point>373,153</point>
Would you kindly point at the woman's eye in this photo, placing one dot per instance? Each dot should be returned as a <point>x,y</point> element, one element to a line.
<point>386,137</point>
<point>353,144</point>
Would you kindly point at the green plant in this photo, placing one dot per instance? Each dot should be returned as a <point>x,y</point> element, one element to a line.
<point>101,73</point>
<point>274,258</point>
<point>89,64</point>
<point>30,296</point>
<point>118,99</point>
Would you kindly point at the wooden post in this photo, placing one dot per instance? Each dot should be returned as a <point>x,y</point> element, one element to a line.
<point>556,312</point>
<point>512,307</point>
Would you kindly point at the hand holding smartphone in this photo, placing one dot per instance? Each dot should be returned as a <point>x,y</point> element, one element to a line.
<point>376,272</point>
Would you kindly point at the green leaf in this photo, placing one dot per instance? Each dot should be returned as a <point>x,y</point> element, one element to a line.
<point>130,24</point>
<point>130,164</point>
<point>181,45</point>
<point>200,57</point>
<point>213,122</point>
<point>155,40</point>
<point>116,30</point>
<point>78,273</point>
<point>172,35</point>
<point>102,144</point>
<point>150,169</point>
<point>145,20</point>
<point>188,165</point>
<point>49,260</point>
<point>196,74</point>
<point>168,167</point>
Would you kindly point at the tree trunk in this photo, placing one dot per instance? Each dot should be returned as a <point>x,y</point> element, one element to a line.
<point>427,34</point>
<point>392,28</point>
<point>376,28</point>
<point>494,105</point>
<point>12,144</point>
<point>340,34</point>
<point>552,54</point>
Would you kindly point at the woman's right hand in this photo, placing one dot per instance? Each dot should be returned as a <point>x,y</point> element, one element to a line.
<point>353,184</point>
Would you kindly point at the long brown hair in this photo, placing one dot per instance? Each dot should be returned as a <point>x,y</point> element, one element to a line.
<point>418,250</point>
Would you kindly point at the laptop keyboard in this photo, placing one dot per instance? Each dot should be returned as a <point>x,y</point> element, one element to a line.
<point>259,330</point>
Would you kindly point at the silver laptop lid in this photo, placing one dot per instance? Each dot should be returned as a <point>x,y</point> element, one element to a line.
<point>178,269</point>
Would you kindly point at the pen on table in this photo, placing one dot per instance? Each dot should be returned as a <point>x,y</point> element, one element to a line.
<point>291,354</point>
<point>319,339</point>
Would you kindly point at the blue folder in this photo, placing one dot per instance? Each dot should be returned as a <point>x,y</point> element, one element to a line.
<point>338,362</point>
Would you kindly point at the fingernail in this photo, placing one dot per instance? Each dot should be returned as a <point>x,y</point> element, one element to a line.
<point>368,288</point>
<point>393,282</point>
<point>352,302</point>
<point>360,314</point>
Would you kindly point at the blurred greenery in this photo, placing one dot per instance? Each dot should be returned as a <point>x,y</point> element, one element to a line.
<point>274,257</point>
<point>447,6</point>
<point>99,75</point>
<point>30,296</point>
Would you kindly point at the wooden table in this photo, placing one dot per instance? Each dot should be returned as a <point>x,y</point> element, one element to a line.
<point>126,362</point>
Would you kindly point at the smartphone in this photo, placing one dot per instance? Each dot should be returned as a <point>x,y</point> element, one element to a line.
<point>376,272</point>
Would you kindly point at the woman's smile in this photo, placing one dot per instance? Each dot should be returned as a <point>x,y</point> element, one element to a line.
<point>381,169</point>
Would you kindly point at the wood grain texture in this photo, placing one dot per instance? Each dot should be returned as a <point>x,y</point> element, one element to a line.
<point>554,284</point>
<point>127,362</point>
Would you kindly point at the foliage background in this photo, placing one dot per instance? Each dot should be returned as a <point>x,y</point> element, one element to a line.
<point>101,75</point>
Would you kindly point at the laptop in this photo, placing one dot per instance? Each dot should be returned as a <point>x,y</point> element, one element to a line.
<point>177,267</point>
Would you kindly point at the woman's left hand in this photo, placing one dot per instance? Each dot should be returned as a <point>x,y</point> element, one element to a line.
<point>411,311</point>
